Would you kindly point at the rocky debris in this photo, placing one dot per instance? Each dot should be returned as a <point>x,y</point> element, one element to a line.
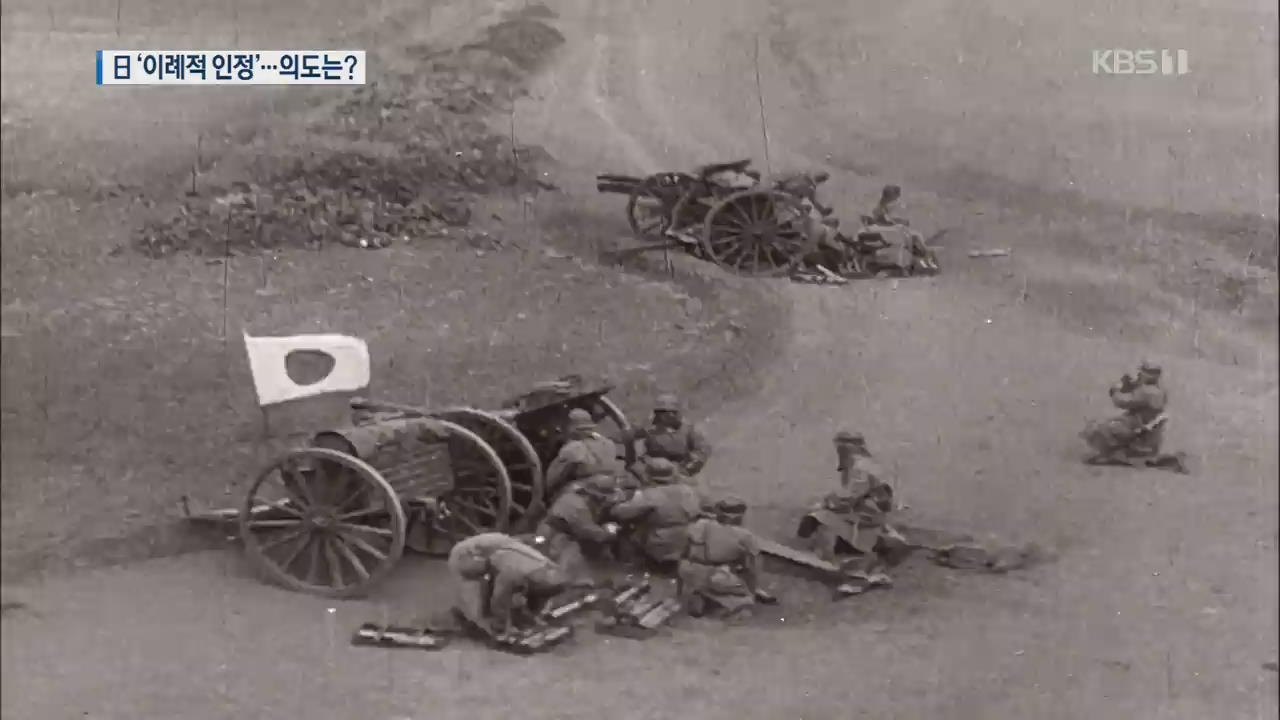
<point>345,198</point>
<point>443,156</point>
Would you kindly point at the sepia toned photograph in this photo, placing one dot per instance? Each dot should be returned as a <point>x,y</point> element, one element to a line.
<point>639,360</point>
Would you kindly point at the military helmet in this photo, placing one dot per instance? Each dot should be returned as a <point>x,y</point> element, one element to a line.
<point>598,485</point>
<point>844,437</point>
<point>580,419</point>
<point>659,469</point>
<point>731,507</point>
<point>890,193</point>
<point>667,403</point>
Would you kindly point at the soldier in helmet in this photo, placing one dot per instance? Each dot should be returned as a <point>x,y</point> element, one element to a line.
<point>671,437</point>
<point>851,526</point>
<point>586,454</point>
<point>721,568</point>
<point>804,186</point>
<point>574,530</point>
<point>820,226</point>
<point>1139,431</point>
<point>660,514</point>
<point>491,570</point>
<point>651,471</point>
<point>855,463</point>
<point>884,214</point>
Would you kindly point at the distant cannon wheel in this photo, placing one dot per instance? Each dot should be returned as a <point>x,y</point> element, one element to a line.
<point>480,499</point>
<point>756,232</point>
<point>334,526</point>
<point>649,207</point>
<point>518,456</point>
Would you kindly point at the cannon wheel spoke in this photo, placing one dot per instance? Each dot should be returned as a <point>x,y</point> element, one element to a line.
<point>518,456</point>
<point>479,472</point>
<point>749,233</point>
<point>344,549</point>
<point>315,544</point>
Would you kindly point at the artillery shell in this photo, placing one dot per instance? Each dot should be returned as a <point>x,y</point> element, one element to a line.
<point>574,606</point>
<point>660,614</point>
<point>644,608</point>
<point>623,606</point>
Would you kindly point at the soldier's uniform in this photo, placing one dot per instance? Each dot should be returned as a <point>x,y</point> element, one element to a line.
<point>490,569</point>
<point>855,522</point>
<point>915,252</point>
<point>805,187</point>
<point>851,527</point>
<point>660,514</point>
<point>588,454</point>
<point>1137,430</point>
<point>721,567</point>
<point>572,531</point>
<point>855,464</point>
<point>674,438</point>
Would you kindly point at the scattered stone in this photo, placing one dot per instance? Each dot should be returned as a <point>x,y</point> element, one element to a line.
<point>442,156</point>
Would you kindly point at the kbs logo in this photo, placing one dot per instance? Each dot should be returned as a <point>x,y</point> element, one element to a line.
<point>1140,62</point>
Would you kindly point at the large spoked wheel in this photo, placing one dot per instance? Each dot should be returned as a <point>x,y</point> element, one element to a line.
<point>518,456</point>
<point>756,232</point>
<point>323,522</point>
<point>480,499</point>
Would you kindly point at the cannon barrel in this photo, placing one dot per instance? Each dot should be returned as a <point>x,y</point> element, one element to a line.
<point>616,186</point>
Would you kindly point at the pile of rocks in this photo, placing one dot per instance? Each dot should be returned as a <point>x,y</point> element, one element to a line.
<point>345,198</point>
<point>443,154</point>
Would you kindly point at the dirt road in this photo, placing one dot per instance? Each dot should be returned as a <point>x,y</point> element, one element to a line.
<point>1162,602</point>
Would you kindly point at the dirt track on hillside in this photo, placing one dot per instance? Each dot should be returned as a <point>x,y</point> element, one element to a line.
<point>1162,602</point>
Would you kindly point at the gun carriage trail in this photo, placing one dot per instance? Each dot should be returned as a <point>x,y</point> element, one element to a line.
<point>1159,599</point>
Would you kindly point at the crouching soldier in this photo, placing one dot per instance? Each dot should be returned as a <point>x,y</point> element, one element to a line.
<point>721,569</point>
<point>574,529</point>
<point>850,527</point>
<point>490,570</point>
<point>1139,431</point>
<point>586,454</point>
<point>915,254</point>
<point>660,515</point>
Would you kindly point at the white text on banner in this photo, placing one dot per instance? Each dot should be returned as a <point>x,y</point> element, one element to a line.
<point>231,67</point>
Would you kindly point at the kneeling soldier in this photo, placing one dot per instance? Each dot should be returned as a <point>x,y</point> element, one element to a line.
<point>722,566</point>
<point>573,529</point>
<point>660,514</point>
